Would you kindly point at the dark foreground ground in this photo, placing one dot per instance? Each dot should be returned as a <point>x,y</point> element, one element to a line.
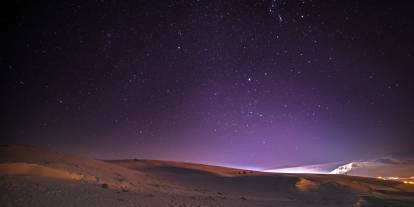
<point>36,177</point>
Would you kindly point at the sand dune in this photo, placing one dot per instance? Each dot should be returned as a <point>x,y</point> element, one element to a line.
<point>36,170</point>
<point>159,166</point>
<point>36,177</point>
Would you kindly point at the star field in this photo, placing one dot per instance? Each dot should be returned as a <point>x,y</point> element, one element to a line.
<point>251,83</point>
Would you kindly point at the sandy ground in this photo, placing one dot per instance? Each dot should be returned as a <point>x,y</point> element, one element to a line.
<point>36,177</point>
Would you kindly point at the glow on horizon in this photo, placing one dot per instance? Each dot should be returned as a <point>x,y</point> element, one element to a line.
<point>298,170</point>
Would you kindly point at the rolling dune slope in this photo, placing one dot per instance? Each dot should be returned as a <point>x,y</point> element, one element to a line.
<point>36,177</point>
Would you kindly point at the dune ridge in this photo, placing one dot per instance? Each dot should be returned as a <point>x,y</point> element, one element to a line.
<point>47,178</point>
<point>21,168</point>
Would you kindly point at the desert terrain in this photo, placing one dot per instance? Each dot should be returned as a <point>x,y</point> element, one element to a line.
<point>31,176</point>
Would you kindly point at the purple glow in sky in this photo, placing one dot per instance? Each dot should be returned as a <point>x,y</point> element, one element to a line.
<point>253,83</point>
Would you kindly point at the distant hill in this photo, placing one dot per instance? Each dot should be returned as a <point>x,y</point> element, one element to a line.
<point>401,167</point>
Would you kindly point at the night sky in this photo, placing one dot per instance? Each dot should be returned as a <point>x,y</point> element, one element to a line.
<point>237,83</point>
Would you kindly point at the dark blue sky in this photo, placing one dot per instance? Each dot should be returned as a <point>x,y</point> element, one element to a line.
<point>240,83</point>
